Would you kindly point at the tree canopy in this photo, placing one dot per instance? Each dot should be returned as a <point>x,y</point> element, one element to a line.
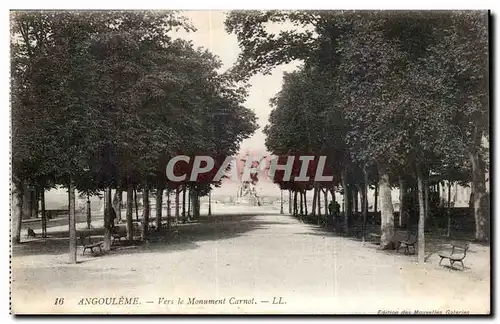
<point>103,100</point>
<point>405,93</point>
<point>106,97</point>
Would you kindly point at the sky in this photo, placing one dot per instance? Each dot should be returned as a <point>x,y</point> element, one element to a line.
<point>212,35</point>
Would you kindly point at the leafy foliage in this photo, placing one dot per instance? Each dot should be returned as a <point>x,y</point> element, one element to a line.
<point>406,92</point>
<point>108,97</point>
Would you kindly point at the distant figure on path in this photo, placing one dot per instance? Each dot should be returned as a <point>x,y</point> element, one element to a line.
<point>330,209</point>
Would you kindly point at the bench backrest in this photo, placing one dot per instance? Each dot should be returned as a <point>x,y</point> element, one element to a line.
<point>405,236</point>
<point>84,239</point>
<point>400,236</point>
<point>461,246</point>
<point>412,238</point>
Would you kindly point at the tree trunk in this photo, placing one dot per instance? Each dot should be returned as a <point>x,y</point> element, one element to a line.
<point>184,205</point>
<point>177,203</point>
<point>365,203</point>
<point>281,202</point>
<point>26,202</point>
<point>295,207</point>
<point>359,190</point>
<point>481,203</point>
<point>301,204</point>
<point>159,207</point>
<point>290,202</point>
<point>325,195</point>
<point>421,218</point>
<point>448,210</point>
<point>305,201</point>
<point>319,206</point>
<point>191,202</point>
<point>375,202</point>
<point>115,198</point>
<point>426,200</point>
<point>196,204</point>
<point>117,203</point>
<point>442,195</point>
<point>333,214</point>
<point>350,197</point>
<point>402,193</point>
<point>130,208</point>
<point>107,219</point>
<point>89,213</point>
<point>210,203</point>
<point>44,216</point>
<point>136,205</point>
<point>72,222</point>
<point>387,210</point>
<point>33,203</point>
<point>145,206</point>
<point>190,194</point>
<point>17,197</point>
<point>169,210</point>
<point>346,202</point>
<point>37,205</point>
<point>315,197</point>
<point>355,199</point>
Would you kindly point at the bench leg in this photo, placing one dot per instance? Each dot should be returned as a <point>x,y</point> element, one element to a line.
<point>463,267</point>
<point>441,260</point>
<point>83,252</point>
<point>452,263</point>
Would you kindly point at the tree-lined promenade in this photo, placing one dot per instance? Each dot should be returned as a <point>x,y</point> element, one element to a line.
<point>248,252</point>
<point>112,105</point>
<point>394,99</point>
<point>102,100</point>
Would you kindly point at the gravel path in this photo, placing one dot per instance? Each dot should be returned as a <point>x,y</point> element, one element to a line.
<point>242,263</point>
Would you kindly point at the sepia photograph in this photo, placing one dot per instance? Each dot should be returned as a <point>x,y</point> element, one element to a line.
<point>268,162</point>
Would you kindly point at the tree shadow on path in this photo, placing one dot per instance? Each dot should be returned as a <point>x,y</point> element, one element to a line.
<point>206,228</point>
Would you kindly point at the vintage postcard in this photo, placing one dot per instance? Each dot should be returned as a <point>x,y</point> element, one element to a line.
<point>250,162</point>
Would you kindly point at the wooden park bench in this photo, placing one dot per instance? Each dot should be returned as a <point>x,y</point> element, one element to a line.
<point>406,241</point>
<point>87,243</point>
<point>174,221</point>
<point>53,213</point>
<point>136,229</point>
<point>458,253</point>
<point>375,237</point>
<point>117,234</point>
<point>400,240</point>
